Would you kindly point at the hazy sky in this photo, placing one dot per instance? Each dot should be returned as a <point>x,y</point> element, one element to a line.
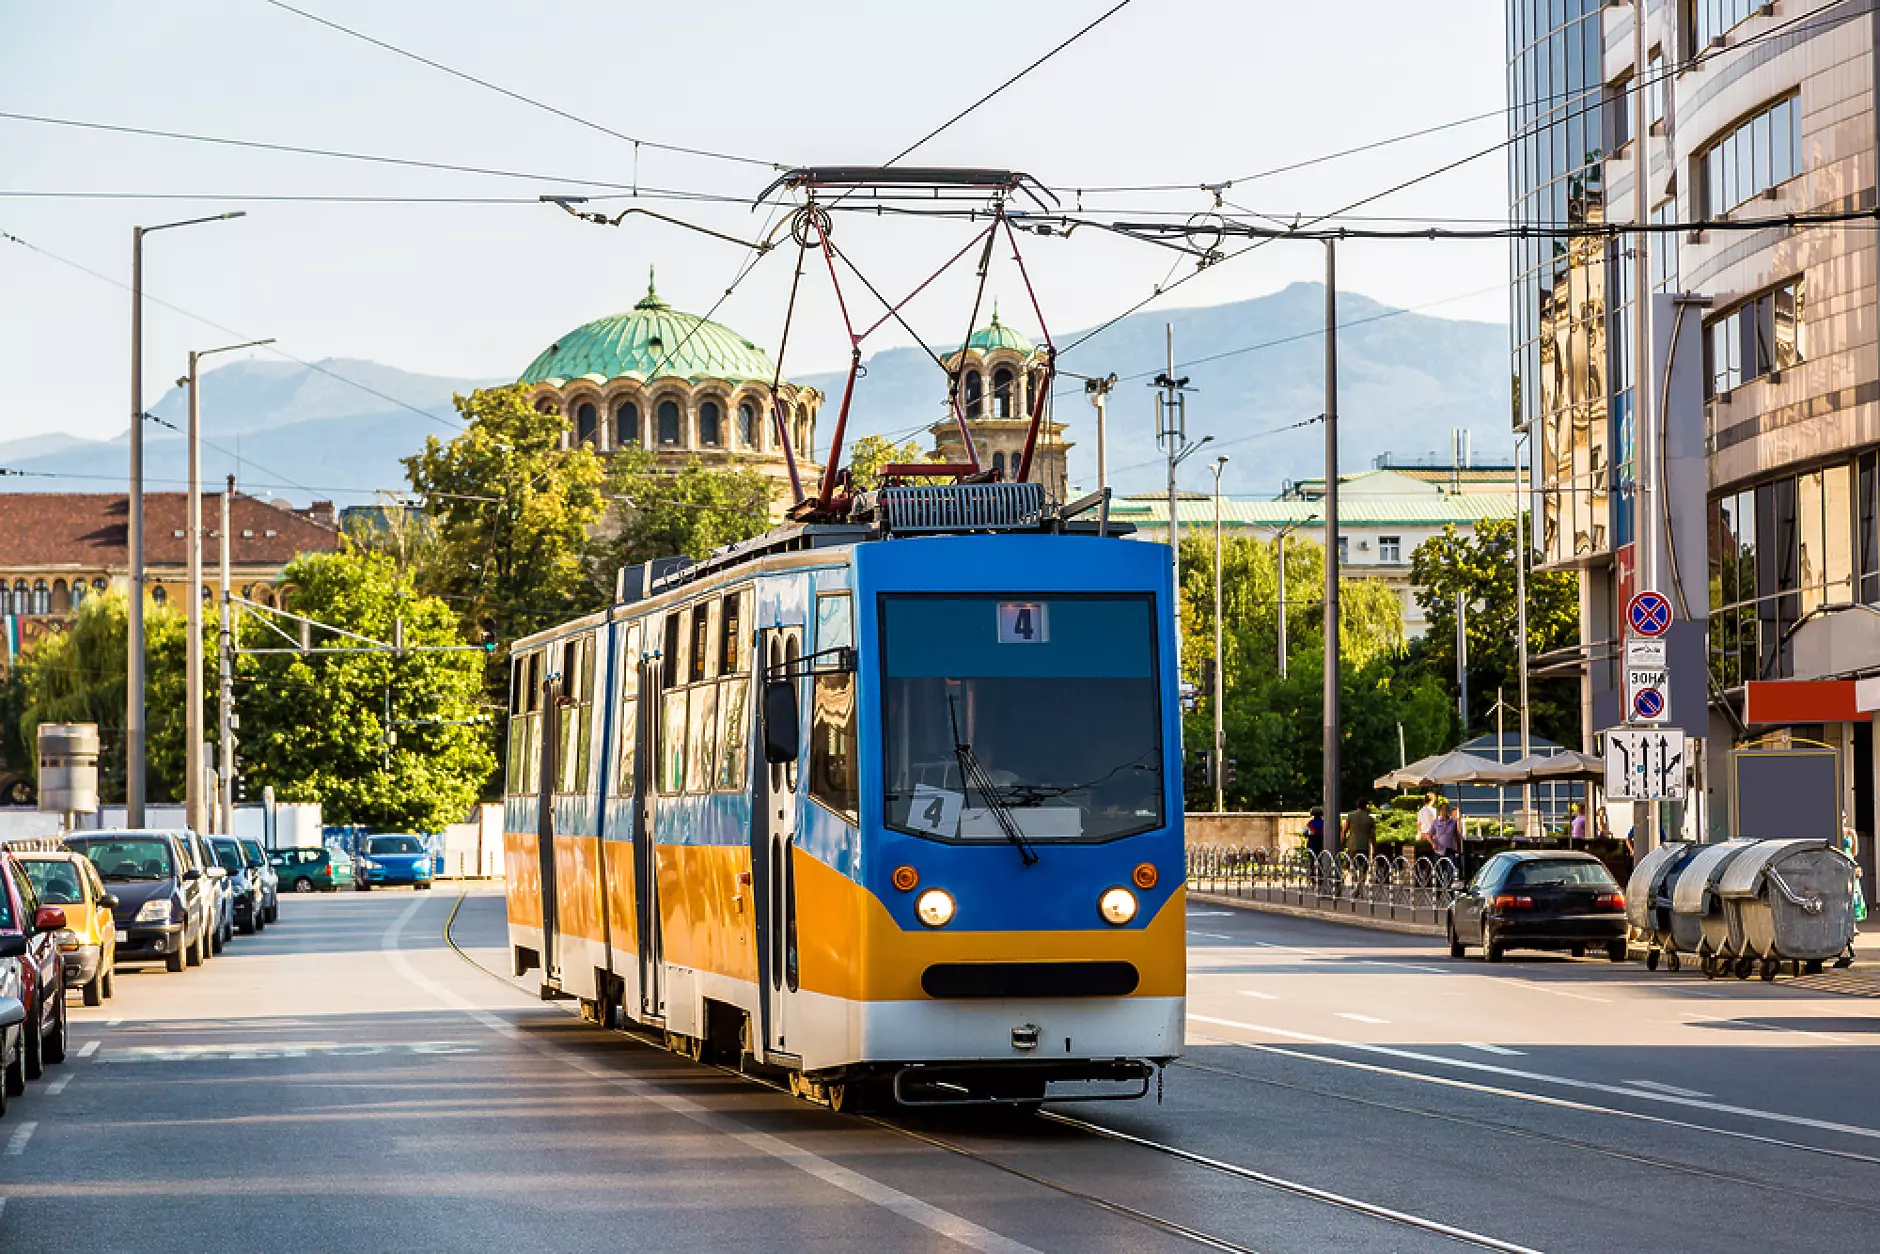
<point>1167,91</point>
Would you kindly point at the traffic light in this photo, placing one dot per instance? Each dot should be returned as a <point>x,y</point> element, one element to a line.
<point>487,626</point>
<point>239,786</point>
<point>1230,771</point>
<point>1207,675</point>
<point>1195,773</point>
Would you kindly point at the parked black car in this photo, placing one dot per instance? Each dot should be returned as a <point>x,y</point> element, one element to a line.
<point>1541,899</point>
<point>244,883</point>
<point>166,903</point>
<point>270,881</point>
<point>221,890</point>
<point>28,936</point>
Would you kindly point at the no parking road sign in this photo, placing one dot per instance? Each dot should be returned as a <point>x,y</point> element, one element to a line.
<point>1648,614</point>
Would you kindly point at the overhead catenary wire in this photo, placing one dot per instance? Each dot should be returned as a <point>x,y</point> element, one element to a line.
<point>638,141</point>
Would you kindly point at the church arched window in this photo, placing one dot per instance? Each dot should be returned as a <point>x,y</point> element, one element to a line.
<point>747,425</point>
<point>975,390</point>
<point>1002,393</point>
<point>587,424</point>
<point>711,424</point>
<point>669,422</point>
<point>803,449</point>
<point>998,464</point>
<point>626,424</point>
<point>61,602</point>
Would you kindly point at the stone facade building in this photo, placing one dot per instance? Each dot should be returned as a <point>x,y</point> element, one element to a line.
<point>680,386</point>
<point>999,375</point>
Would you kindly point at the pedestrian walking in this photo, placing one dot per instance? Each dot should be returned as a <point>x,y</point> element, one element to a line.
<point>1850,845</point>
<point>1446,833</point>
<point>1426,817</point>
<point>1576,830</point>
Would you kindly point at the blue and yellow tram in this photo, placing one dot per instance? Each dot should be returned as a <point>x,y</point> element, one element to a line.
<point>891,805</point>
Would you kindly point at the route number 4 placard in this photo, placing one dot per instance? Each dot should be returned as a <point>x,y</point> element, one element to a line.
<point>1024,622</point>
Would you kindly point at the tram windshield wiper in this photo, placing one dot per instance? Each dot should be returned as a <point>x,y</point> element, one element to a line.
<point>973,775</point>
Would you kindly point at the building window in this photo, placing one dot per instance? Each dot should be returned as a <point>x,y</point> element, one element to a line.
<point>747,425</point>
<point>711,424</point>
<point>626,424</point>
<point>1390,549</point>
<point>669,422</point>
<point>1655,92</point>
<point>1761,336</point>
<point>975,393</point>
<point>547,405</point>
<point>1664,248</point>
<point>587,424</point>
<point>1002,393</point>
<point>802,432</point>
<point>1344,550</point>
<point>1618,112</point>
<point>1760,153</point>
<point>1709,20</point>
<point>998,464</point>
<point>6,599</point>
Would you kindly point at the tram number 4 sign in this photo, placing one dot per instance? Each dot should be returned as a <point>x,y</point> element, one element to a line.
<point>1647,683</point>
<point>1645,764</point>
<point>1024,622</point>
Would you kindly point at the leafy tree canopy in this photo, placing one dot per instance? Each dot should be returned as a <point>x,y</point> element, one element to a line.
<point>690,512</point>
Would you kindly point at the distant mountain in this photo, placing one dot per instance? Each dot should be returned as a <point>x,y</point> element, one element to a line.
<point>281,428</point>
<point>1405,379</point>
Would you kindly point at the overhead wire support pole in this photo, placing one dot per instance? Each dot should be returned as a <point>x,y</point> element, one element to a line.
<point>1333,730</point>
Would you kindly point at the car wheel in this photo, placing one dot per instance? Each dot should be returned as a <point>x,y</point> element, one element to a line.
<point>1651,960</point>
<point>1492,949</point>
<point>1616,951</point>
<point>1578,951</point>
<point>108,982</point>
<point>6,1086</point>
<point>176,959</point>
<point>215,941</point>
<point>274,910</point>
<point>55,1040</point>
<point>33,1050</point>
<point>197,951</point>
<point>93,990</point>
<point>303,885</point>
<point>15,1080</point>
<point>1456,947</point>
<point>21,793</point>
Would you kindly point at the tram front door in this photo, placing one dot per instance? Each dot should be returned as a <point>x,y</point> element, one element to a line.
<point>773,843</point>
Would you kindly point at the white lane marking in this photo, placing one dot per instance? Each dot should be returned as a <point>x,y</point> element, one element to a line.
<point>88,1049</point>
<point>1672,1089</point>
<point>1355,1018</point>
<point>58,1086</point>
<point>1723,1108</point>
<point>954,1227</point>
<point>114,1023</point>
<point>16,1144</point>
<point>1486,1048</point>
<point>1543,988</point>
<point>1211,935</point>
<point>1210,914</point>
<point>1254,992</point>
<point>1748,1024</point>
<point>1541,1099</point>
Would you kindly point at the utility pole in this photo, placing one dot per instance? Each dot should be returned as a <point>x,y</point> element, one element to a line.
<point>1171,434</point>
<point>225,682</point>
<point>1098,390</point>
<point>134,659</point>
<point>1333,730</point>
<point>1220,684</point>
<point>1279,560</point>
<point>1462,664</point>
<point>195,805</point>
<point>1528,824</point>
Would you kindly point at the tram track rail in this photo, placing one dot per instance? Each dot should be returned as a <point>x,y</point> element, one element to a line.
<point>1515,1130</point>
<point>1124,1210</point>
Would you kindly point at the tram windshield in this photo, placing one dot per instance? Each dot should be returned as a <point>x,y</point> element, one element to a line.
<point>1038,714</point>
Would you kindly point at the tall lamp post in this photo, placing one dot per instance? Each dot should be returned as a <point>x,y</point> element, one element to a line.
<point>134,660</point>
<point>195,806</point>
<point>1220,683</point>
<point>1279,564</point>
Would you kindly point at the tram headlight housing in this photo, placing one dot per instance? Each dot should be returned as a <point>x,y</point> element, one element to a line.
<point>1117,906</point>
<point>935,907</point>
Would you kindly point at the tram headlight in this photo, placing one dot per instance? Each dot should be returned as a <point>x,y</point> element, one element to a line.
<point>1117,906</point>
<point>935,908</point>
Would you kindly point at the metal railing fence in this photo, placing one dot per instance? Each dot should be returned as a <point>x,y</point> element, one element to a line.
<point>1412,890</point>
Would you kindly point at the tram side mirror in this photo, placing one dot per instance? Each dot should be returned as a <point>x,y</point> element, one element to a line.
<point>780,729</point>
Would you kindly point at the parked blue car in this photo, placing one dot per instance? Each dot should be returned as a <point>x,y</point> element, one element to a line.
<point>396,858</point>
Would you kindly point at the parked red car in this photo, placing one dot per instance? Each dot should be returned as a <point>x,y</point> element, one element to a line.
<point>29,948</point>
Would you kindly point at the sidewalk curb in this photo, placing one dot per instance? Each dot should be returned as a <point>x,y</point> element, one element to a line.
<point>1323,916</point>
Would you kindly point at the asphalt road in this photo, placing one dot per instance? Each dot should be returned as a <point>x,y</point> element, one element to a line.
<point>350,1081</point>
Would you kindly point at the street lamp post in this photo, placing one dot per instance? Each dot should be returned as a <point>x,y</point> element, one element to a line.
<point>1279,563</point>
<point>195,811</point>
<point>134,659</point>
<point>1220,683</point>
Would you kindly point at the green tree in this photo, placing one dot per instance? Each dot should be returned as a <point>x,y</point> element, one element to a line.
<point>1481,569</point>
<point>315,726</point>
<point>870,453</point>
<point>688,513</point>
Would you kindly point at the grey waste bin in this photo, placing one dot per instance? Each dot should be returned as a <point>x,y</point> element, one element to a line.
<point>1787,900</point>
<point>1648,900</point>
<point>1697,922</point>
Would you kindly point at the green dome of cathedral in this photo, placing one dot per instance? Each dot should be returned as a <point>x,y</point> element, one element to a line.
<point>652,340</point>
<point>995,335</point>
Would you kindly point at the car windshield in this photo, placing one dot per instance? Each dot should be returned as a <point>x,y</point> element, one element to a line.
<point>1561,873</point>
<point>55,880</point>
<point>1046,709</point>
<point>252,848</point>
<point>228,855</point>
<point>394,844</point>
<point>126,857</point>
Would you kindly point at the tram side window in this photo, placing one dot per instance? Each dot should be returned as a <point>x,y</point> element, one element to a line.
<point>734,735</point>
<point>629,730</point>
<point>672,729</point>
<point>731,654</point>
<point>701,754</point>
<point>525,750</point>
<point>703,663</point>
<point>672,673</point>
<point>832,765</point>
<point>577,680</point>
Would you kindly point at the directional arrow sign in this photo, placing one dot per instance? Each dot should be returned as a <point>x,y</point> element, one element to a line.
<point>1645,764</point>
